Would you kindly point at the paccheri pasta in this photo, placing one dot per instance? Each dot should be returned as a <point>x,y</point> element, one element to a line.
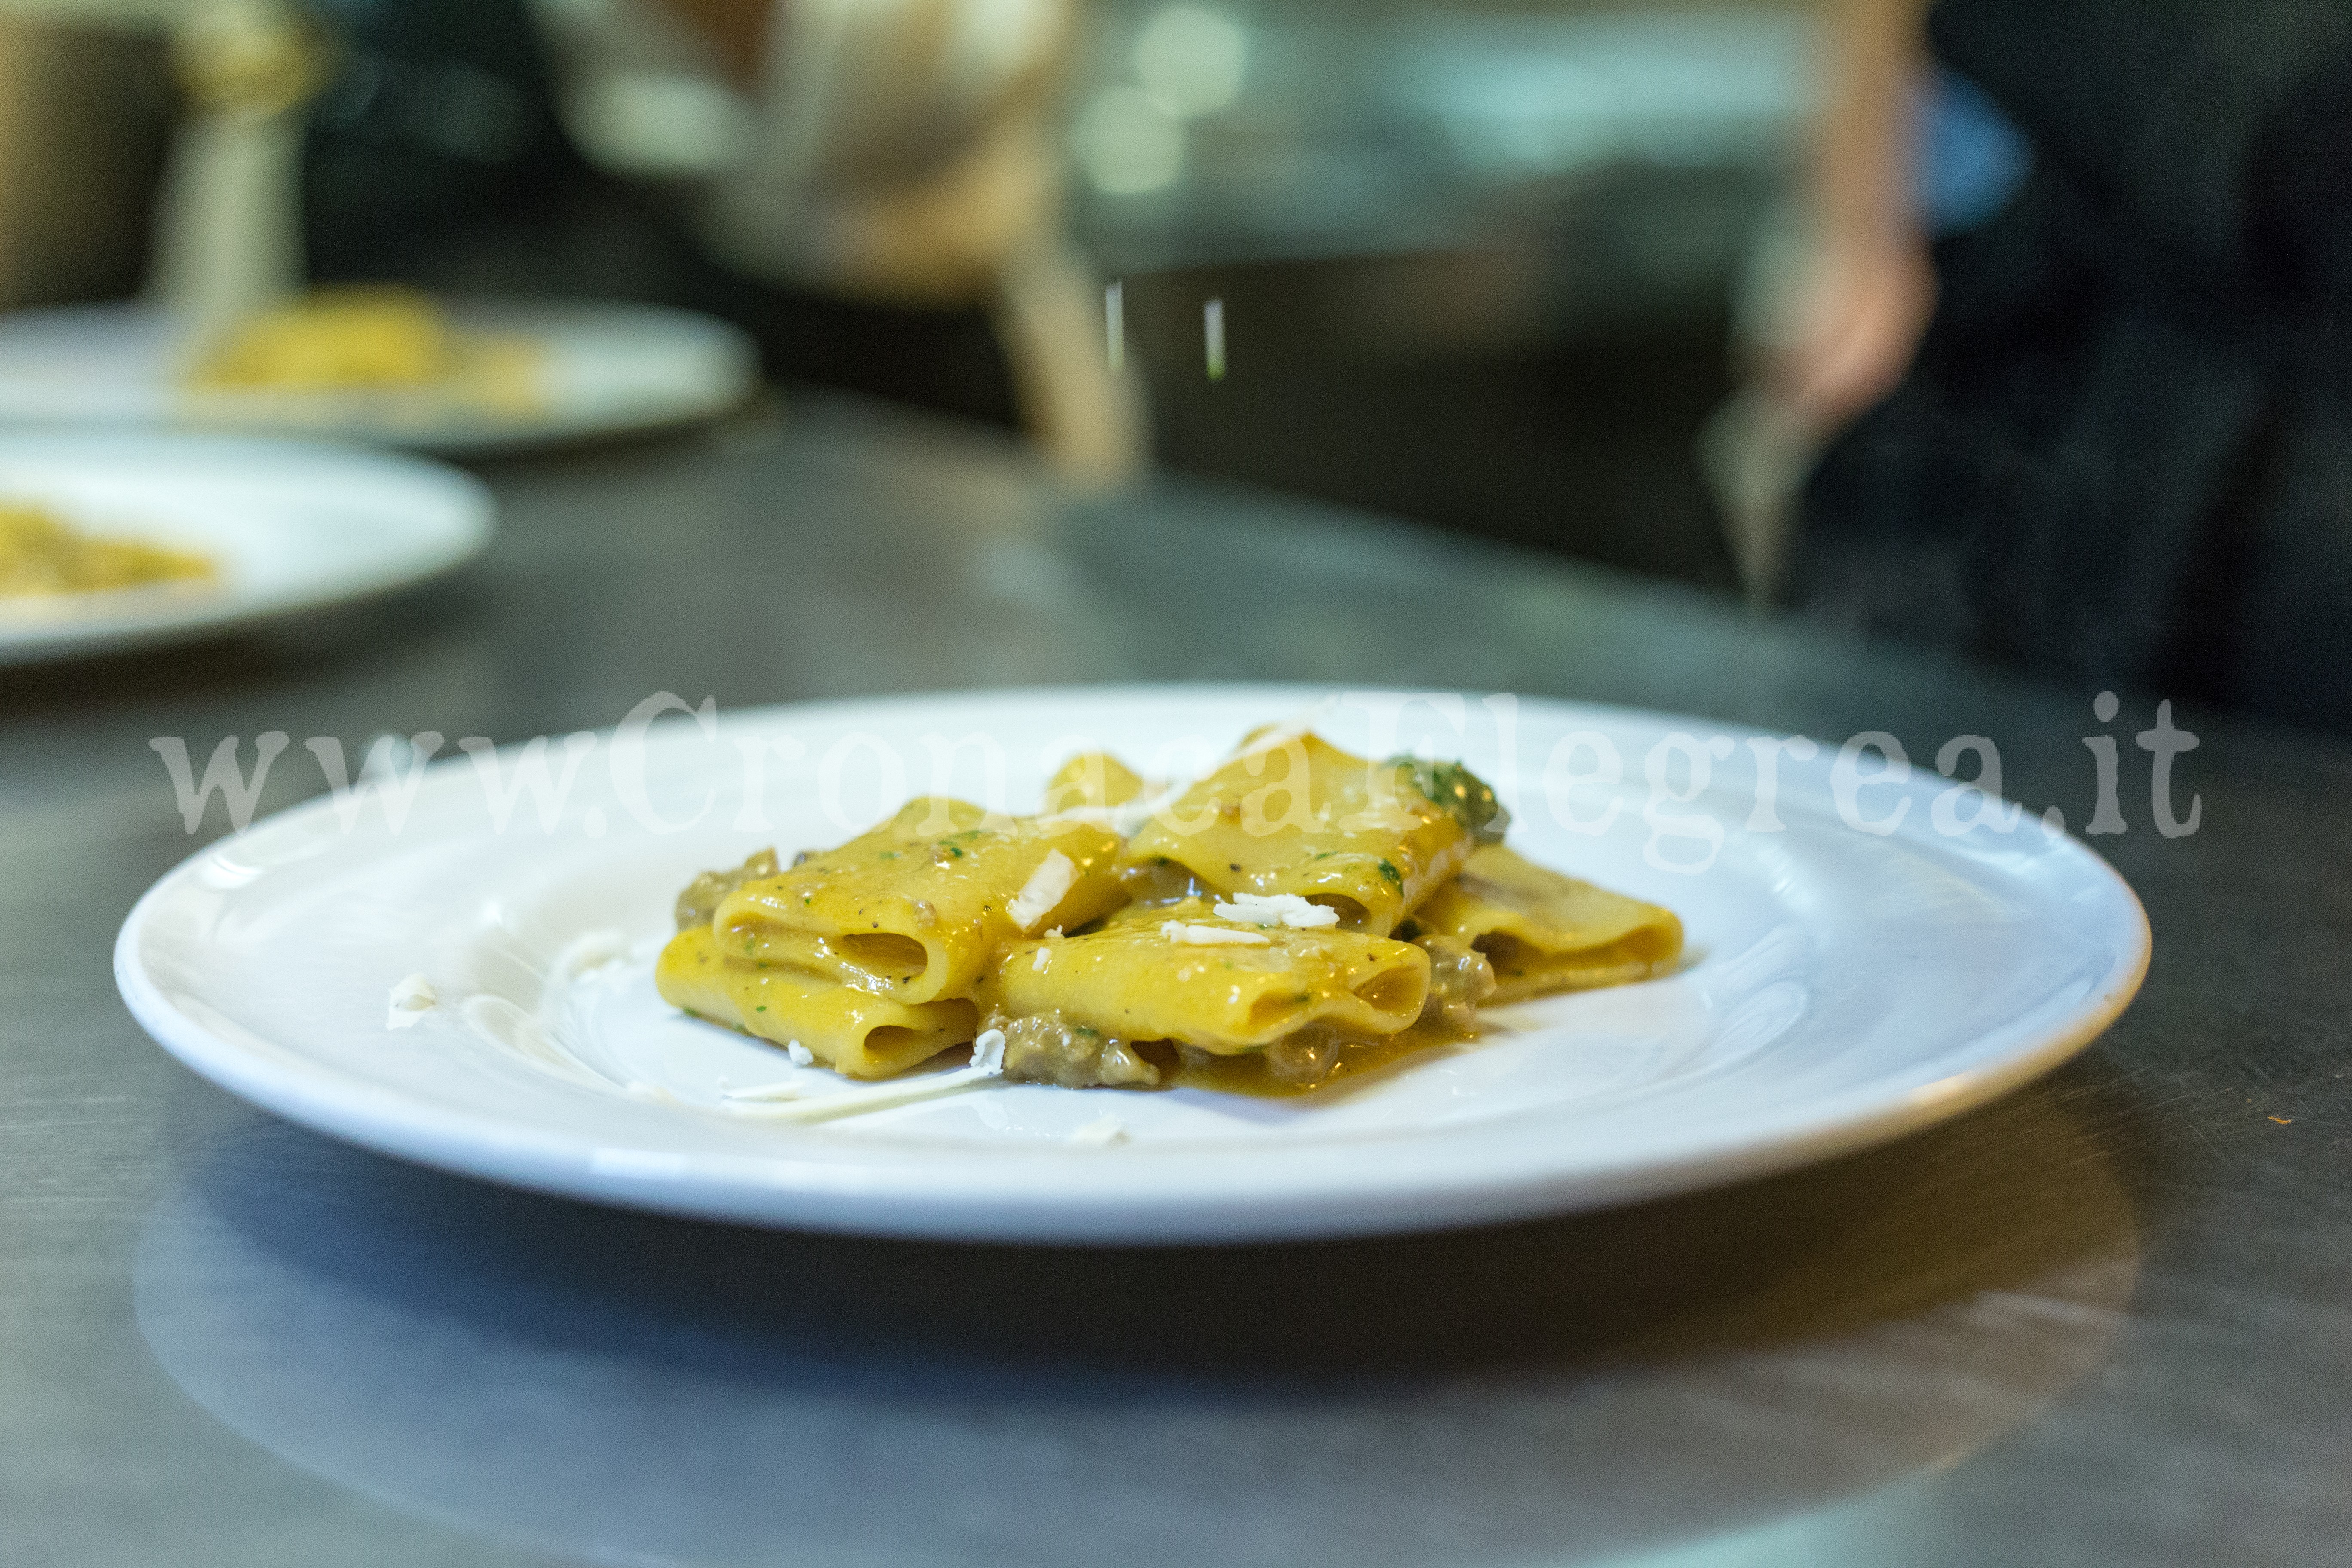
<point>41,555</point>
<point>374,339</point>
<point>1297,915</point>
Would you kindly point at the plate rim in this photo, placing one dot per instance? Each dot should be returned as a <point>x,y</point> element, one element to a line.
<point>738,347</point>
<point>848,1199</point>
<point>472,515</point>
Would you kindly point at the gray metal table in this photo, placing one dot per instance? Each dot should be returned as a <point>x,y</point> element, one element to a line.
<point>2102,1323</point>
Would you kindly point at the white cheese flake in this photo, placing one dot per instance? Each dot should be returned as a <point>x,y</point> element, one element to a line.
<point>593,950</point>
<point>792,1102</point>
<point>791,1089</point>
<point>1048,886</point>
<point>1211,936</point>
<point>1127,819</point>
<point>1276,909</point>
<point>1044,956</point>
<point>410,1001</point>
<point>1100,1134</point>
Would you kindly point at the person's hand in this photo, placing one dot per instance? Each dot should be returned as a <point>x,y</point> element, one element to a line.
<point>1847,333</point>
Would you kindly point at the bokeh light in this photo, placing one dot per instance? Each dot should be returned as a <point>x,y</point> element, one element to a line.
<point>1191,60</point>
<point>1127,143</point>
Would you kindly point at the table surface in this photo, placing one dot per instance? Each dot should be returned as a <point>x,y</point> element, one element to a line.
<point>2104,1322</point>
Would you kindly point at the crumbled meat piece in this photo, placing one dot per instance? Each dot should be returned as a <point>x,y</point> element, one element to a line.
<point>699,905</point>
<point>1307,1056</point>
<point>1460,978</point>
<point>1047,1047</point>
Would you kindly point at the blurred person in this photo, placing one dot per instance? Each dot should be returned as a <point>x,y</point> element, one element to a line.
<point>900,153</point>
<point>2109,431</point>
<point>877,181</point>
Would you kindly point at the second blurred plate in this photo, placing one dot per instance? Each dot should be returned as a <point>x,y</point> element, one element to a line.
<point>602,370</point>
<point>291,526</point>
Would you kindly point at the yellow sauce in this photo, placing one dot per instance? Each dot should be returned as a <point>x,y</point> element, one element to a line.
<point>1248,1073</point>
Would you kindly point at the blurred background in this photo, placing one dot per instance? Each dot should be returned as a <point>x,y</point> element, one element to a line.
<point>1479,261</point>
<point>1774,299</point>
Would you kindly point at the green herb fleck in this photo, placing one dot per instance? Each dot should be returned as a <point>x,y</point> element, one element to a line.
<point>1391,873</point>
<point>761,1008</point>
<point>1460,794</point>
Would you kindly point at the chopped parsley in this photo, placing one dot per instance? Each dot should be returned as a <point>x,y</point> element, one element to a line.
<point>1460,794</point>
<point>1391,873</point>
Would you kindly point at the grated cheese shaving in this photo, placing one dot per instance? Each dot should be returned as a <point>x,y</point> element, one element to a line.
<point>1127,819</point>
<point>1277,909</point>
<point>1048,885</point>
<point>797,1105</point>
<point>410,1001</point>
<point>1100,1134</point>
<point>1211,936</point>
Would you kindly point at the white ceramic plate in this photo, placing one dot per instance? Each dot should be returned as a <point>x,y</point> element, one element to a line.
<point>1842,987</point>
<point>293,526</point>
<point>604,370</point>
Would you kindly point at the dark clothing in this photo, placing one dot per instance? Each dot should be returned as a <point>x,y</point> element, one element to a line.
<point>2124,450</point>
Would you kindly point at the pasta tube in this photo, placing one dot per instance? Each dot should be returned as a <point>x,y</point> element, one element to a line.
<point>1543,931</point>
<point>916,909</point>
<point>854,1032</point>
<point>1182,974</point>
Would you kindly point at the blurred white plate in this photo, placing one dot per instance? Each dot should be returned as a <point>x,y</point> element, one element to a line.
<point>292,526</point>
<point>603,369</point>
<point>1843,988</point>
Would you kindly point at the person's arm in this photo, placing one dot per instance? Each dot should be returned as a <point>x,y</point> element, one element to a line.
<point>1868,289</point>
